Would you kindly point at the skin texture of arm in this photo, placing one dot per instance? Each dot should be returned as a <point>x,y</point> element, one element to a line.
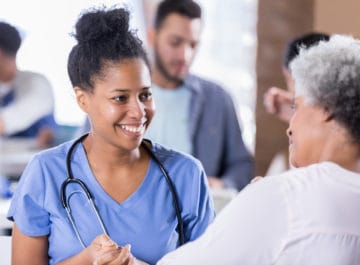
<point>33,251</point>
<point>28,250</point>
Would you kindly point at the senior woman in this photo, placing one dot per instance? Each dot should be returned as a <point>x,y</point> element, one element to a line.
<point>311,214</point>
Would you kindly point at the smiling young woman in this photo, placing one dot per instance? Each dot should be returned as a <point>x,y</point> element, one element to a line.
<point>121,105</point>
<point>86,201</point>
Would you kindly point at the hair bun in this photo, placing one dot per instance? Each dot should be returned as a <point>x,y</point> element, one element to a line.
<point>99,24</point>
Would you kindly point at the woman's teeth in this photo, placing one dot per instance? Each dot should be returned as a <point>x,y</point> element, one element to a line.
<point>132,129</point>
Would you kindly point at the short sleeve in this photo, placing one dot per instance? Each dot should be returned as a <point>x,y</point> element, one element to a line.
<point>26,208</point>
<point>202,211</point>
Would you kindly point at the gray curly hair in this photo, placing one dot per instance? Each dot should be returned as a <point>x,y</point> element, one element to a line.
<point>328,75</point>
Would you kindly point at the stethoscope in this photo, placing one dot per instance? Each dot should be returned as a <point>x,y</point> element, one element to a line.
<point>70,179</point>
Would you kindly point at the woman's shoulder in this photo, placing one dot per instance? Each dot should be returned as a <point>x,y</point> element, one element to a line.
<point>316,179</point>
<point>316,172</point>
<point>57,152</point>
<point>168,155</point>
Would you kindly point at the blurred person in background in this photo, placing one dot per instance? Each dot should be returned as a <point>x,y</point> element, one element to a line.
<point>279,101</point>
<point>194,115</point>
<point>26,98</point>
<point>310,214</point>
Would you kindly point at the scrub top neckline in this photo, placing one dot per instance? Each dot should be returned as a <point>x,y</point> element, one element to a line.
<point>97,190</point>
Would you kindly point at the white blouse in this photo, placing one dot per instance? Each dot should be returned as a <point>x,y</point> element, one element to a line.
<point>304,216</point>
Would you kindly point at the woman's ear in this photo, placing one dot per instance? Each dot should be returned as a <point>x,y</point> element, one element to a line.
<point>82,98</point>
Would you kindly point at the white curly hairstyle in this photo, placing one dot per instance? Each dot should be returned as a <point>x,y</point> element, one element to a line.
<point>328,75</point>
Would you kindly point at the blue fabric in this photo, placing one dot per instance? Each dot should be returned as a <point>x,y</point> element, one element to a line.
<point>7,99</point>
<point>216,135</point>
<point>47,121</point>
<point>146,219</point>
<point>171,105</point>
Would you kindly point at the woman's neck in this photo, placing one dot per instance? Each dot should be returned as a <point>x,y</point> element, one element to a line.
<point>344,153</point>
<point>103,155</point>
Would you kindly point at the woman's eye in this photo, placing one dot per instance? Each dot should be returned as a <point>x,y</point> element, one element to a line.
<point>120,98</point>
<point>145,96</point>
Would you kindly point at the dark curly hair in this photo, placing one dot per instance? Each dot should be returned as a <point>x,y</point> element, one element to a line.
<point>10,39</point>
<point>187,8</point>
<point>304,41</point>
<point>103,37</point>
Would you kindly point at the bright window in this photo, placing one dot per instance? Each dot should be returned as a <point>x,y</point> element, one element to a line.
<point>227,54</point>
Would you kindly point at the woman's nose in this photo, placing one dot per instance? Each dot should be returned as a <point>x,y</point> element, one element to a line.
<point>137,109</point>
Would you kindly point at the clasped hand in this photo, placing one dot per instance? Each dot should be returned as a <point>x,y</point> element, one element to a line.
<point>104,251</point>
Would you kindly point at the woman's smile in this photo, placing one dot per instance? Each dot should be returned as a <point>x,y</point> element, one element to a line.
<point>133,130</point>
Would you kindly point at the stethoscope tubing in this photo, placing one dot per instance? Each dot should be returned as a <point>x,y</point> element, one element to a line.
<point>173,193</point>
<point>71,179</point>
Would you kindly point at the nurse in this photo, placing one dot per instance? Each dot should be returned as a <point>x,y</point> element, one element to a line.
<point>110,73</point>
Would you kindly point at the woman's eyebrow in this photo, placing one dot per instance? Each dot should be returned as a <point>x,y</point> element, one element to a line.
<point>127,90</point>
<point>120,90</point>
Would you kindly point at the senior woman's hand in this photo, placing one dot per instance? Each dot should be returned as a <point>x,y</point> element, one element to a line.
<point>257,178</point>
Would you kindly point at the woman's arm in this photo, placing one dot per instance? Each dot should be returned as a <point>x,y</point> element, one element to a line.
<point>28,250</point>
<point>34,251</point>
<point>102,250</point>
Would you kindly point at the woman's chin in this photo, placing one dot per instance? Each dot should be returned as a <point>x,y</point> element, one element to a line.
<point>293,162</point>
<point>296,163</point>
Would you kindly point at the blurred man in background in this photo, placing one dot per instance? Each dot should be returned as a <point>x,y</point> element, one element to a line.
<point>26,99</point>
<point>277,100</point>
<point>193,115</point>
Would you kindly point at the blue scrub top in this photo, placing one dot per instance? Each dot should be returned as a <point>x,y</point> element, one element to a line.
<point>146,219</point>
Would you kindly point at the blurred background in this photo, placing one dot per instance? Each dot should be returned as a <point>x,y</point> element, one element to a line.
<point>241,47</point>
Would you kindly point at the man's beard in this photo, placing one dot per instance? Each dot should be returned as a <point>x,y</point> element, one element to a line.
<point>162,69</point>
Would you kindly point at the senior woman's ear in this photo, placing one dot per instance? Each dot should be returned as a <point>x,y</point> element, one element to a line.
<point>328,116</point>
